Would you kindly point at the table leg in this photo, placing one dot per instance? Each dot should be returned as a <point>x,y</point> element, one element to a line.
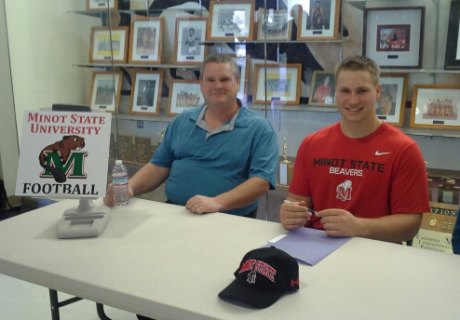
<point>101,312</point>
<point>56,304</point>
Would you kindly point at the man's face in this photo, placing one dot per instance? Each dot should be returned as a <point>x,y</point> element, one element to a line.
<point>356,96</point>
<point>219,85</point>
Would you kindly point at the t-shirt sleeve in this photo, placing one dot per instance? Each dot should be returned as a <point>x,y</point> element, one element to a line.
<point>409,188</point>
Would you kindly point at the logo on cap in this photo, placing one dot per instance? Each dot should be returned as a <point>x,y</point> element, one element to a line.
<point>263,276</point>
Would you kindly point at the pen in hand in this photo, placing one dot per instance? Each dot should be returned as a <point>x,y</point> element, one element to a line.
<point>313,212</point>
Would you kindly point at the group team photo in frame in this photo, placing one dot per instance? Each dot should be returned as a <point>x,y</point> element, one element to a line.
<point>274,25</point>
<point>392,100</point>
<point>101,5</point>
<point>435,106</point>
<point>452,57</point>
<point>107,44</point>
<point>190,35</point>
<point>105,91</point>
<point>319,20</point>
<point>323,89</point>
<point>230,20</point>
<point>146,95</point>
<point>393,37</point>
<point>145,40</point>
<point>277,83</point>
<point>185,95</point>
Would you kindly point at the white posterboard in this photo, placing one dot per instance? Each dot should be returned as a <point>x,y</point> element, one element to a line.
<point>64,154</point>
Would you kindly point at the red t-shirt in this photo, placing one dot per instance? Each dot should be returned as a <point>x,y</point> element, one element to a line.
<point>381,174</point>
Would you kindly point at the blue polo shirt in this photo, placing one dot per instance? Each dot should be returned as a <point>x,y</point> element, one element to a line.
<point>210,163</point>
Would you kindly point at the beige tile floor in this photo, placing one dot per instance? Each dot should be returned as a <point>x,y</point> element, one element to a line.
<point>20,300</point>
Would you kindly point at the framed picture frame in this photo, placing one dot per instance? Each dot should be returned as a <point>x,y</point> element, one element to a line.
<point>231,20</point>
<point>126,149</point>
<point>452,57</point>
<point>435,106</point>
<point>319,21</point>
<point>185,95</point>
<point>190,35</point>
<point>392,101</point>
<point>274,25</point>
<point>393,37</point>
<point>323,89</point>
<point>145,43</point>
<point>144,149</point>
<point>105,90</point>
<point>277,83</point>
<point>108,45</point>
<point>243,64</point>
<point>146,93</point>
<point>101,5</point>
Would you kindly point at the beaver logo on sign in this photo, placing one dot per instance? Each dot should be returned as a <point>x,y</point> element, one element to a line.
<point>62,159</point>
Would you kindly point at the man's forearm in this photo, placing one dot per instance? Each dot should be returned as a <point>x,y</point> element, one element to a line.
<point>243,194</point>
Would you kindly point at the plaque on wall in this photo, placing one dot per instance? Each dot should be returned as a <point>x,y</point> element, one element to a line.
<point>436,229</point>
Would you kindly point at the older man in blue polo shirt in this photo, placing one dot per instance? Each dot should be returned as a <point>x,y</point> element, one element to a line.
<point>220,157</point>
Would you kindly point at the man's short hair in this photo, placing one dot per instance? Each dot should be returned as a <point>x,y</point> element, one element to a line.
<point>360,63</point>
<point>221,58</point>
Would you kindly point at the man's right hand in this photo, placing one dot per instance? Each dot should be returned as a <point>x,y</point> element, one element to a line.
<point>294,214</point>
<point>108,199</point>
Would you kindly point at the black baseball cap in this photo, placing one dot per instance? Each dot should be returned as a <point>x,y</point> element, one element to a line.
<point>263,276</point>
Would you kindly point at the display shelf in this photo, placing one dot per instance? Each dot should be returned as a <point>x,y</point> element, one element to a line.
<point>96,14</point>
<point>431,133</point>
<point>362,4</point>
<point>143,66</point>
<point>302,107</point>
<point>420,71</point>
<point>338,42</point>
<point>132,117</point>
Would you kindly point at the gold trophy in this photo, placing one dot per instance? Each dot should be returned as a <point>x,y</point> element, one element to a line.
<point>285,167</point>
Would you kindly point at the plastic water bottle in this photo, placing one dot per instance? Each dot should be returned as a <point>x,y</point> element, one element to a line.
<point>120,184</point>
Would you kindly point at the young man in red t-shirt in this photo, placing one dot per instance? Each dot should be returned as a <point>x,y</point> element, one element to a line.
<point>361,176</point>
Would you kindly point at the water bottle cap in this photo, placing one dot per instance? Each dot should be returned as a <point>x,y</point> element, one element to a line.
<point>118,162</point>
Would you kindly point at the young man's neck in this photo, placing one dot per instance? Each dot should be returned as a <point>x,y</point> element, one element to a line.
<point>359,130</point>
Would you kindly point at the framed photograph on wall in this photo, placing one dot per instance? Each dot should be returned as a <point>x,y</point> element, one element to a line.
<point>393,37</point>
<point>279,83</point>
<point>319,20</point>
<point>105,91</point>
<point>243,67</point>
<point>231,20</point>
<point>392,101</point>
<point>146,95</point>
<point>452,58</point>
<point>323,89</point>
<point>126,148</point>
<point>274,25</point>
<point>435,106</point>
<point>144,149</point>
<point>145,41</point>
<point>101,5</point>
<point>107,44</point>
<point>190,35</point>
<point>185,95</point>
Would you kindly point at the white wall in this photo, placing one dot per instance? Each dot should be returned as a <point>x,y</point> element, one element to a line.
<point>41,41</point>
<point>46,41</point>
<point>9,150</point>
